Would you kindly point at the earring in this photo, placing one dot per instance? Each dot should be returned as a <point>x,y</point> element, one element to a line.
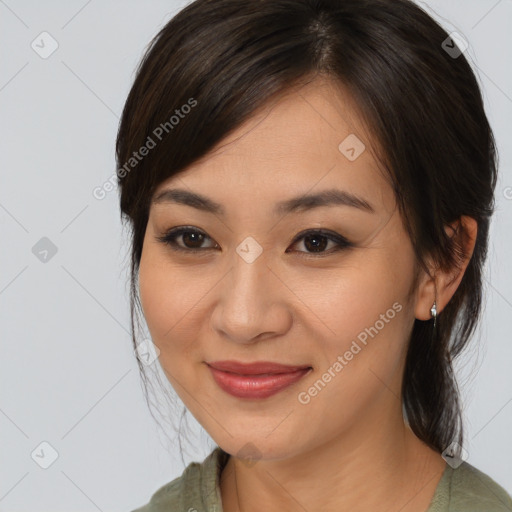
<point>433,312</point>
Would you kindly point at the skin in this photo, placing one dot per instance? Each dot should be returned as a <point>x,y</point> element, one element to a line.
<point>348,448</point>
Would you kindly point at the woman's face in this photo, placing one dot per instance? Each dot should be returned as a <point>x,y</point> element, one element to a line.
<point>252,291</point>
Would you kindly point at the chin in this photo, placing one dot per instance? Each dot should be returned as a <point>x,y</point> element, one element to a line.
<point>253,449</point>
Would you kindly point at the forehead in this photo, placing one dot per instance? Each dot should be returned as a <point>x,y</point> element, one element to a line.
<point>308,140</point>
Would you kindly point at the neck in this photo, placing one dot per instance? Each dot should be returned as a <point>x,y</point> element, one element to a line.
<point>364,468</point>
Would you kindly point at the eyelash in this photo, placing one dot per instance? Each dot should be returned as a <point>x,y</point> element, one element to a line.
<point>169,238</point>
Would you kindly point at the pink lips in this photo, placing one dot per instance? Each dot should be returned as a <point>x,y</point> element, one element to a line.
<point>255,380</point>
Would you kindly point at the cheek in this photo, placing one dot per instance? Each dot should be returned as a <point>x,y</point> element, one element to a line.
<point>365,314</point>
<point>172,301</point>
<point>355,296</point>
<point>159,295</point>
<point>362,354</point>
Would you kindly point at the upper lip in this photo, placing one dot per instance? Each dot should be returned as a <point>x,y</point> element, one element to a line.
<point>255,368</point>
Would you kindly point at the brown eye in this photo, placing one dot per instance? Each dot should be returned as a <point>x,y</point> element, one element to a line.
<point>192,239</point>
<point>315,241</point>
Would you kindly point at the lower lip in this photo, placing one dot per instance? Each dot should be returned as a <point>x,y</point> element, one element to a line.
<point>255,386</point>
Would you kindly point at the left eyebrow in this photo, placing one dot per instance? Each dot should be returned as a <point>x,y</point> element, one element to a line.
<point>329,197</point>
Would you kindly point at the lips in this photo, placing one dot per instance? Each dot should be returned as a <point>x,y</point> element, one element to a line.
<point>255,368</point>
<point>256,380</point>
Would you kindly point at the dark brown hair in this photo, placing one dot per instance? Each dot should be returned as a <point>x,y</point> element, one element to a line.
<point>422,104</point>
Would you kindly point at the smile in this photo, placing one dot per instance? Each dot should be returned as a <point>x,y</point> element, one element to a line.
<point>254,385</point>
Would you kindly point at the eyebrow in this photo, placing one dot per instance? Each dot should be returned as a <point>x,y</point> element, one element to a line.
<point>330,197</point>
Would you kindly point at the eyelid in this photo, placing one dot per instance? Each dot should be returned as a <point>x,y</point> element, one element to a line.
<point>341,242</point>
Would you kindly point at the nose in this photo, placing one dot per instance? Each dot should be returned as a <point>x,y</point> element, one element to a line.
<point>252,302</point>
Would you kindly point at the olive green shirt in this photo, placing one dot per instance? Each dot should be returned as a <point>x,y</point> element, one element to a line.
<point>464,489</point>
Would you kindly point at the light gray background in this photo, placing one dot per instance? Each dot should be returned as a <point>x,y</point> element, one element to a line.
<point>68,373</point>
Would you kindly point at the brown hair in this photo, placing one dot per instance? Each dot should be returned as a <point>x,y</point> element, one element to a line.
<point>421,102</point>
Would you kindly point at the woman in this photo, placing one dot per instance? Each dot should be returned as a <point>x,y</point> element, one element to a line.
<point>309,185</point>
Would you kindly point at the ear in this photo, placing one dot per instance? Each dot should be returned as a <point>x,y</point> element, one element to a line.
<point>446,282</point>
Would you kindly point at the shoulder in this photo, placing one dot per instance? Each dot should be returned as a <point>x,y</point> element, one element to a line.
<point>474,490</point>
<point>467,489</point>
<point>195,490</point>
<point>166,497</point>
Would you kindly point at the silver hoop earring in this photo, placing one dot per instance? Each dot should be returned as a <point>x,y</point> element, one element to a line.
<point>433,312</point>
